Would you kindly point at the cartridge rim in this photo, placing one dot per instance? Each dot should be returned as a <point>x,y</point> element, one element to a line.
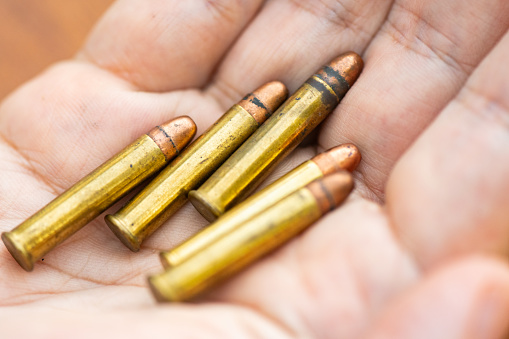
<point>18,252</point>
<point>122,232</point>
<point>203,205</point>
<point>155,290</point>
<point>160,289</point>
<point>163,257</point>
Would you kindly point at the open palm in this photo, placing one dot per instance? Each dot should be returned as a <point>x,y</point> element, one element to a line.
<point>418,252</point>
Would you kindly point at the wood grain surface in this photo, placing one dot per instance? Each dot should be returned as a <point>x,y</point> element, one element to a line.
<point>37,33</point>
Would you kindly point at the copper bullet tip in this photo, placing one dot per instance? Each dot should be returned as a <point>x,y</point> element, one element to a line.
<point>265,100</point>
<point>343,157</point>
<point>332,190</point>
<point>173,136</point>
<point>349,66</point>
<point>342,72</point>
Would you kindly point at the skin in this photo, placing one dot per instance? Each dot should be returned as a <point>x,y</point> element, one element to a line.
<point>420,249</point>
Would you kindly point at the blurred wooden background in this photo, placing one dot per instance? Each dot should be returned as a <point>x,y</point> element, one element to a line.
<point>36,33</point>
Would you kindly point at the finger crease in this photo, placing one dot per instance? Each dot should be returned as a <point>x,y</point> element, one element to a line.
<point>336,13</point>
<point>29,164</point>
<point>405,39</point>
<point>225,94</point>
<point>480,102</point>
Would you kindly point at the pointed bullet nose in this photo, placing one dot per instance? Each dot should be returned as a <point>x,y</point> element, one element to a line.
<point>341,73</point>
<point>349,66</point>
<point>265,100</point>
<point>174,135</point>
<point>343,157</point>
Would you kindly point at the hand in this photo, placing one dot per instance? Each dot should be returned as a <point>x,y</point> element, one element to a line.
<point>420,251</point>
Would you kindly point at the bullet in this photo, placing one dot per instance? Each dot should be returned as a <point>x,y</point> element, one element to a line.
<point>343,157</point>
<point>280,134</point>
<point>168,191</point>
<point>93,194</point>
<point>254,239</point>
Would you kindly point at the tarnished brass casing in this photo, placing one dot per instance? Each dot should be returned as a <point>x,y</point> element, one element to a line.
<point>255,238</point>
<point>92,195</point>
<point>168,191</point>
<point>280,134</point>
<point>343,157</point>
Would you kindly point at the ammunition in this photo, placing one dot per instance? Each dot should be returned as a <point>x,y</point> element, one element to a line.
<point>92,195</point>
<point>280,134</point>
<point>343,157</point>
<point>168,191</point>
<point>255,238</point>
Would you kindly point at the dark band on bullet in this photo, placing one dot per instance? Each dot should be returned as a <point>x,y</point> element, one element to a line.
<point>328,98</point>
<point>331,190</point>
<point>335,80</point>
<point>173,136</point>
<point>262,102</point>
<point>328,195</point>
<point>177,151</point>
<point>253,99</point>
<point>258,103</point>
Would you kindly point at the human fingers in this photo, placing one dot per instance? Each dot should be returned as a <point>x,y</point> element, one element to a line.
<point>166,45</point>
<point>465,299</point>
<point>173,321</point>
<point>415,65</point>
<point>448,195</point>
<point>289,40</point>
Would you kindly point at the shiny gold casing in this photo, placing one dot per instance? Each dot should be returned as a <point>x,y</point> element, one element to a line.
<point>232,252</point>
<point>238,215</point>
<point>168,191</point>
<point>270,144</point>
<point>88,198</point>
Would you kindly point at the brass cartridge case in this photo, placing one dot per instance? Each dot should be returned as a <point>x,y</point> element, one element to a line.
<point>92,195</point>
<point>343,157</point>
<point>168,191</point>
<point>280,134</point>
<point>254,239</point>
